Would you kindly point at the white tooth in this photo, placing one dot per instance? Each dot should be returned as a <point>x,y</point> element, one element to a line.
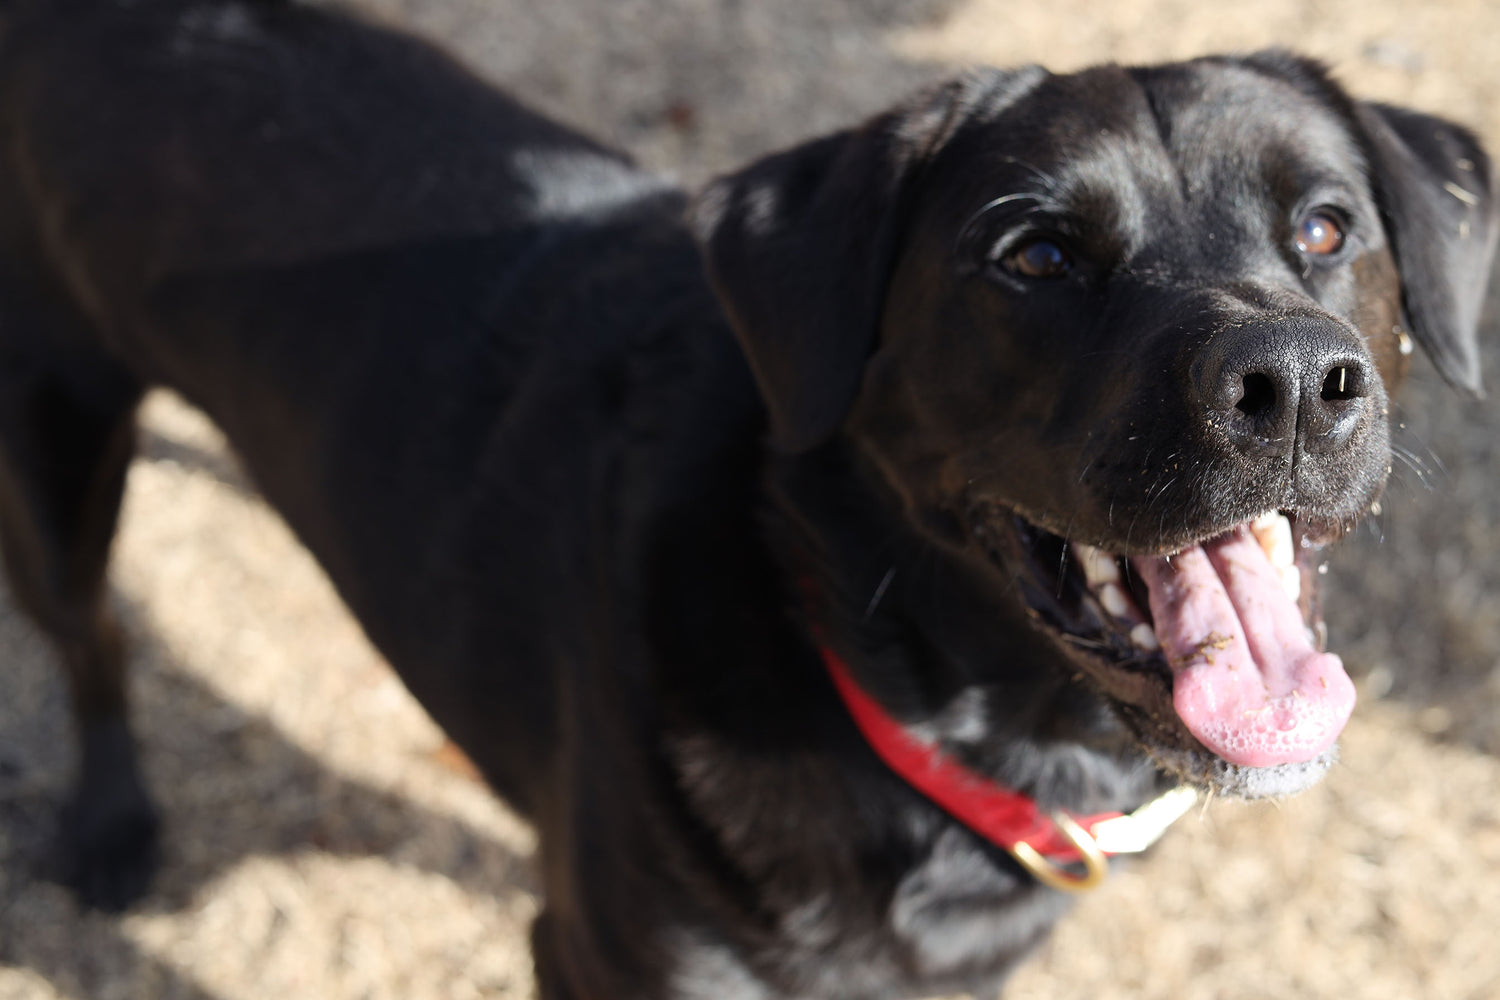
<point>1291,581</point>
<point>1282,553</point>
<point>1274,533</point>
<point>1265,522</point>
<point>1264,529</point>
<point>1114,600</point>
<point>1144,636</point>
<point>1098,567</point>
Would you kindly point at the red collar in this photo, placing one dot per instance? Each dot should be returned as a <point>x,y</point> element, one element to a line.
<point>1042,842</point>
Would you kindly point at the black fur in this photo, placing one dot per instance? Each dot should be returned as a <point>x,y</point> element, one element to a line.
<point>474,360</point>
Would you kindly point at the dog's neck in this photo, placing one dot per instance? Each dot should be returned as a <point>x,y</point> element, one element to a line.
<point>935,632</point>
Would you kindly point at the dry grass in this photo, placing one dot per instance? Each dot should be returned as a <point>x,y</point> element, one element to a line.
<point>323,845</point>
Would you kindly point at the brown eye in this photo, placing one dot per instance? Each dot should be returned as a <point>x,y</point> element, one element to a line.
<point>1039,259</point>
<point>1319,234</point>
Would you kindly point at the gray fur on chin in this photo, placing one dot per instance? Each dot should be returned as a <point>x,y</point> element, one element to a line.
<point>1210,773</point>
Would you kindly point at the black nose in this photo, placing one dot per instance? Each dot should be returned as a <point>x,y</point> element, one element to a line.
<point>1290,383</point>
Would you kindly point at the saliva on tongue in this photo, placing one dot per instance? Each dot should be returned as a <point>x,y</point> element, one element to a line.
<point>1246,679</point>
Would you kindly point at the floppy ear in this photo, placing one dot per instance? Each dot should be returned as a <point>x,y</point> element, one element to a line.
<point>799,247</point>
<point>1435,190</point>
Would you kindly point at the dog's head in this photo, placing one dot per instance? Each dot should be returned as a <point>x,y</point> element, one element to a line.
<point>1133,331</point>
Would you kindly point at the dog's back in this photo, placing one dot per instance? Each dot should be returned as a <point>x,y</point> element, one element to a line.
<point>411,326</point>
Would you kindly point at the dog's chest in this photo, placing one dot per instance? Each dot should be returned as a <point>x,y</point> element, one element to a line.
<point>956,922</point>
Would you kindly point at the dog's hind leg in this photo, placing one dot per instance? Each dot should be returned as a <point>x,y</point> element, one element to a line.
<point>67,433</point>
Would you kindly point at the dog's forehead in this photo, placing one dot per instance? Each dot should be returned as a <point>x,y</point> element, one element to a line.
<point>1209,132</point>
<point>1213,113</point>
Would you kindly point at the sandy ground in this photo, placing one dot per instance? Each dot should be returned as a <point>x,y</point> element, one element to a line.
<point>324,842</point>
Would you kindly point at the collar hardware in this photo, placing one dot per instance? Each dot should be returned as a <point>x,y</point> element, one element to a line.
<point>1091,855</point>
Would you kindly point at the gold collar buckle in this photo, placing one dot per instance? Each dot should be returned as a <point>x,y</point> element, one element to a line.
<point>1128,834</point>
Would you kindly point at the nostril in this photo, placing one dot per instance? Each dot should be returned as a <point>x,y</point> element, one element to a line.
<point>1276,389</point>
<point>1259,399</point>
<point>1343,382</point>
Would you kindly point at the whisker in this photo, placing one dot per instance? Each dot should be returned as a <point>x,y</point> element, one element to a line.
<point>885,582</point>
<point>1437,460</point>
<point>1414,462</point>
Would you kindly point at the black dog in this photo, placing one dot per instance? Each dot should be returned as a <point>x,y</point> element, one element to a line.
<point>789,660</point>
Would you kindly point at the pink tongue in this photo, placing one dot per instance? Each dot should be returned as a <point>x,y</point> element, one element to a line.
<point>1246,680</point>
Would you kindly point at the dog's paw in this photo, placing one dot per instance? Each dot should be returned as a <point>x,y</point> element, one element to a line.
<point>110,844</point>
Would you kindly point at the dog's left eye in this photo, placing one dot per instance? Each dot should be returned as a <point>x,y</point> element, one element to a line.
<point>1320,234</point>
<point>1038,258</point>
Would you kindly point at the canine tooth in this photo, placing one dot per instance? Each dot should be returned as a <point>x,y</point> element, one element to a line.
<point>1144,636</point>
<point>1114,600</point>
<point>1098,567</point>
<point>1274,533</point>
<point>1291,581</point>
<point>1282,554</point>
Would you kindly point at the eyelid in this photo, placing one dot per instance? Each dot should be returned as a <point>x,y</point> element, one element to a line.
<point>1000,215</point>
<point>1334,202</point>
<point>1038,224</point>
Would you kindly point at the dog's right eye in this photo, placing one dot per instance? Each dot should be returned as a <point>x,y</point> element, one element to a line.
<point>1038,258</point>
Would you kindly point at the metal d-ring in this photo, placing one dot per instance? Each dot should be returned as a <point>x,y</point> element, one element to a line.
<point>1095,864</point>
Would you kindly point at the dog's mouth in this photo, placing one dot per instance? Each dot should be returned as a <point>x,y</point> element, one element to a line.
<point>1213,653</point>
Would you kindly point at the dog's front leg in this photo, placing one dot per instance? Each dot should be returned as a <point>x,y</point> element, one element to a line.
<point>67,433</point>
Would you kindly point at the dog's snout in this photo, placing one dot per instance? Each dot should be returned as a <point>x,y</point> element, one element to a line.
<point>1285,385</point>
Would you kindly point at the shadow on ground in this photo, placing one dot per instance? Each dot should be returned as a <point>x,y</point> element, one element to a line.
<point>687,86</point>
<point>231,788</point>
